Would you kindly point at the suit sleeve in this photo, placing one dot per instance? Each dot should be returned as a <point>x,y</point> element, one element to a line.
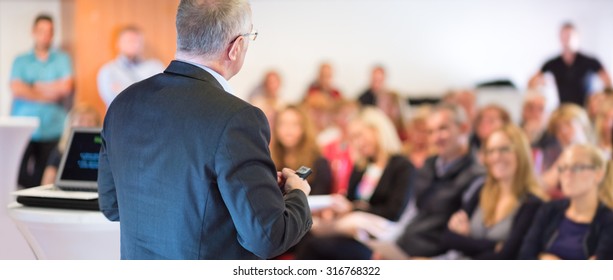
<point>267,222</point>
<point>107,194</point>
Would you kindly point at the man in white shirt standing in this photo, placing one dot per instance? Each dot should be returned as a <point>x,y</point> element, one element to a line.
<point>129,67</point>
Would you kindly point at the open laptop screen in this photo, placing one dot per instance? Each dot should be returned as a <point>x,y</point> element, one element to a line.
<point>79,166</point>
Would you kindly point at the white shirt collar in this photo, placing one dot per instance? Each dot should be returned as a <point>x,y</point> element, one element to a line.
<point>224,83</point>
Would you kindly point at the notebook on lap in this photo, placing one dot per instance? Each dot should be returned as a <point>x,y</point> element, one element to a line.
<point>76,181</point>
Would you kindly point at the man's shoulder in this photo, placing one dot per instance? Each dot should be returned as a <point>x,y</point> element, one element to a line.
<point>587,58</point>
<point>59,55</point>
<point>553,61</point>
<point>24,57</point>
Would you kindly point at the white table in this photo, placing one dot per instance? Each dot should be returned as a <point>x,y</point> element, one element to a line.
<point>15,133</point>
<point>66,234</point>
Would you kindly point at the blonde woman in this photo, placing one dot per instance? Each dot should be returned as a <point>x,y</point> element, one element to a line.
<point>83,115</point>
<point>581,225</point>
<point>380,184</point>
<point>507,202</point>
<point>417,148</point>
<point>604,124</point>
<point>570,125</point>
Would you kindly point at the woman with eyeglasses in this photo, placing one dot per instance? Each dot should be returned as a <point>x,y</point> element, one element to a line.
<point>506,204</point>
<point>570,125</point>
<point>581,225</point>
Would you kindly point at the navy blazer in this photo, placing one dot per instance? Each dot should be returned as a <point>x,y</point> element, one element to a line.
<point>544,230</point>
<point>185,167</point>
<point>484,249</point>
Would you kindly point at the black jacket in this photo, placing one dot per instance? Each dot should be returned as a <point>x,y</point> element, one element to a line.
<point>598,241</point>
<point>393,191</point>
<point>483,249</point>
<point>437,198</point>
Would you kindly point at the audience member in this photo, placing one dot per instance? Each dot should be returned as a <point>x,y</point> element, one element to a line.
<point>266,95</point>
<point>488,119</point>
<point>570,125</point>
<point>417,148</point>
<point>534,119</point>
<point>396,109</point>
<point>380,184</point>
<point>128,67</point>
<point>603,125</point>
<point>83,115</point>
<point>507,203</point>
<point>324,84</point>
<point>447,182</point>
<point>377,86</point>
<point>594,102</point>
<point>294,146</point>
<point>41,80</point>
<point>571,69</point>
<point>338,151</point>
<point>319,108</point>
<point>467,99</point>
<point>581,225</point>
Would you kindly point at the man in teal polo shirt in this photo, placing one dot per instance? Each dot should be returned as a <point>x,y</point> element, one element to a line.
<point>41,80</point>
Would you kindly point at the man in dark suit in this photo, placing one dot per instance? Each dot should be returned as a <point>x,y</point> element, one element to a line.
<point>185,164</point>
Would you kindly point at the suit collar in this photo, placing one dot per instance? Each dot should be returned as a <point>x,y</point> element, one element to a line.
<point>181,68</point>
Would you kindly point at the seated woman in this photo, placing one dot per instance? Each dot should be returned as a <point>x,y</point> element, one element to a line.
<point>380,184</point>
<point>294,145</point>
<point>603,125</point>
<point>581,225</point>
<point>488,119</point>
<point>570,124</point>
<point>507,202</point>
<point>83,115</point>
<point>417,148</point>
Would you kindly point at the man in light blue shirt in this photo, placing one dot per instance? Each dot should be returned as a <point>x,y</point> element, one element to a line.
<point>41,80</point>
<point>129,67</point>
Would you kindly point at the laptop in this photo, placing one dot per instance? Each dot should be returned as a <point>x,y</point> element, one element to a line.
<point>76,184</point>
<point>78,170</point>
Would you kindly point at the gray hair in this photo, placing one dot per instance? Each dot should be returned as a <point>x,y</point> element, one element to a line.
<point>205,27</point>
<point>457,112</point>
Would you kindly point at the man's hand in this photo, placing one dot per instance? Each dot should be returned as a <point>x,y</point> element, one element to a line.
<point>290,181</point>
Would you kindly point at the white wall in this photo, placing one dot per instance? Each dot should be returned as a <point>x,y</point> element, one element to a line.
<point>16,18</point>
<point>427,46</point>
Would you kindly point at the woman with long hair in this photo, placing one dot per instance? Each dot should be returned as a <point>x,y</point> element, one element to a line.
<point>380,184</point>
<point>294,145</point>
<point>570,125</point>
<point>507,201</point>
<point>579,226</point>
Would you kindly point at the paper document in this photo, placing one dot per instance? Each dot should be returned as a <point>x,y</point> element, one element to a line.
<point>50,191</point>
<point>317,202</point>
